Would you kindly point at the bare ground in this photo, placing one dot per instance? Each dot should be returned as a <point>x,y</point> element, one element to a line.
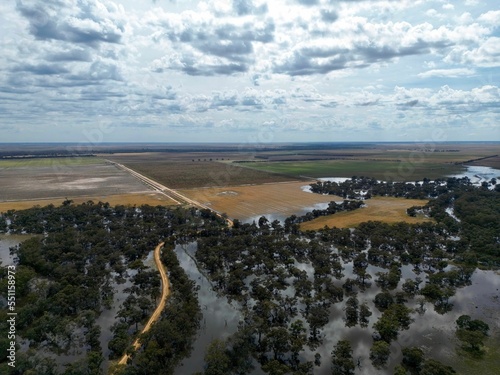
<point>64,180</point>
<point>243,202</point>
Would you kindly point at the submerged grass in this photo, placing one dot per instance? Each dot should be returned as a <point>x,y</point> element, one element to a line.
<point>487,364</point>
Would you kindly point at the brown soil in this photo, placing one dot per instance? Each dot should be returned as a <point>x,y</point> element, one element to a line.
<point>243,202</point>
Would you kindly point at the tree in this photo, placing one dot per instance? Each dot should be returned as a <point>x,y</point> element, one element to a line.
<point>342,361</point>
<point>217,362</point>
<point>277,340</point>
<point>383,300</point>
<point>399,370</point>
<point>364,314</point>
<point>471,333</point>
<point>413,358</point>
<point>433,367</point>
<point>379,353</point>
<point>351,311</point>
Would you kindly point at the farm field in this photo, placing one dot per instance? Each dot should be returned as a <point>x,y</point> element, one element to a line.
<point>131,199</point>
<point>195,171</point>
<point>245,202</point>
<point>429,153</point>
<point>33,179</point>
<point>385,209</point>
<point>382,170</point>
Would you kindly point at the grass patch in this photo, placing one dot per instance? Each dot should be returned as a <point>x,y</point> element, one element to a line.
<point>48,162</point>
<point>382,170</point>
<point>488,364</point>
<point>385,209</point>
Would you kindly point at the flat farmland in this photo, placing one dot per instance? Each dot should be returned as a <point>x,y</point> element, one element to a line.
<point>33,179</point>
<point>131,199</point>
<point>245,202</point>
<point>382,170</point>
<point>195,170</point>
<point>385,209</point>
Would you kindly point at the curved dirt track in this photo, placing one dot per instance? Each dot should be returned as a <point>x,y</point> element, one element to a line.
<point>165,292</point>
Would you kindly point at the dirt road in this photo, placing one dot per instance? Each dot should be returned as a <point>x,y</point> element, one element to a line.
<point>164,295</point>
<point>171,193</point>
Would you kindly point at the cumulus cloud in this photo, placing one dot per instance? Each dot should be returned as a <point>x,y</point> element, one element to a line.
<point>60,20</point>
<point>318,65</point>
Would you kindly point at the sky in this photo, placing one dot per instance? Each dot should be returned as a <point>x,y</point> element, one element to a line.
<point>249,71</point>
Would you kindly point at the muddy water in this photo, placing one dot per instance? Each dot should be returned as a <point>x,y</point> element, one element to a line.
<point>7,241</point>
<point>432,332</point>
<point>220,319</point>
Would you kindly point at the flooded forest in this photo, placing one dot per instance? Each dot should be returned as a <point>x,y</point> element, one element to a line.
<point>263,297</point>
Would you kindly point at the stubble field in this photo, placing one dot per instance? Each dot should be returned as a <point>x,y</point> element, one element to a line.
<point>193,170</point>
<point>385,209</point>
<point>245,202</point>
<point>36,179</point>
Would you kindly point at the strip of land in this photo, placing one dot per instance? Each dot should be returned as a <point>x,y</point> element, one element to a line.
<point>385,209</point>
<point>147,197</point>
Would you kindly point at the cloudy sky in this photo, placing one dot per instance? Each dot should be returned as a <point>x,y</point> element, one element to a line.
<point>249,70</point>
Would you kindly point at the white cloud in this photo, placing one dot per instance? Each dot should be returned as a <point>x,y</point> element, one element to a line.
<point>491,17</point>
<point>238,64</point>
<point>452,73</point>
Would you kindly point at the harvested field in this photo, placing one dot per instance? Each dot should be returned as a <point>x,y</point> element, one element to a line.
<point>493,162</point>
<point>137,199</point>
<point>385,209</point>
<point>63,177</point>
<point>245,202</point>
<point>382,170</point>
<point>197,171</point>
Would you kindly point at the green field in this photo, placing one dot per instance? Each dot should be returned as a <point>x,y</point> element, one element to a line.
<point>48,162</point>
<point>383,170</point>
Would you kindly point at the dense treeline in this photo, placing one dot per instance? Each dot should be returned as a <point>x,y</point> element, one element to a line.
<point>66,273</point>
<point>333,208</point>
<point>366,187</point>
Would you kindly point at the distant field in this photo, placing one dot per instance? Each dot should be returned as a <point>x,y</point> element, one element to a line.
<point>63,177</point>
<point>382,170</point>
<point>245,202</point>
<point>490,162</point>
<point>153,199</point>
<point>48,162</point>
<point>385,209</point>
<point>189,172</point>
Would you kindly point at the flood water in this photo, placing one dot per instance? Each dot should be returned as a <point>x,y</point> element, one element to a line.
<point>6,242</point>
<point>431,331</point>
<point>478,174</point>
<point>220,318</point>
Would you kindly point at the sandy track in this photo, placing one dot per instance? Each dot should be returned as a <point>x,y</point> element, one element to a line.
<point>171,193</point>
<point>164,295</point>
